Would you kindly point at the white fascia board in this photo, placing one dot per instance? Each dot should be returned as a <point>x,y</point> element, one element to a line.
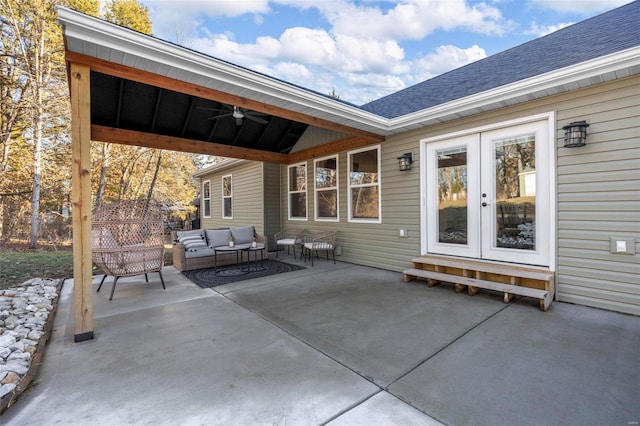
<point>223,165</point>
<point>622,60</point>
<point>128,42</point>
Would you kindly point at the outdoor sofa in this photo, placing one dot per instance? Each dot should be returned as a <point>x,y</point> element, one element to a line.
<point>195,249</point>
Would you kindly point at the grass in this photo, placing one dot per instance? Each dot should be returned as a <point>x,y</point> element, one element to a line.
<point>17,267</point>
<point>19,264</point>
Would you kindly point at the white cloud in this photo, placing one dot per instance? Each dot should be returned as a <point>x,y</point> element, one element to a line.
<point>182,18</point>
<point>308,45</point>
<point>446,58</point>
<point>359,52</point>
<point>411,19</point>
<point>585,7</point>
<point>542,30</point>
<point>290,71</point>
<point>340,54</point>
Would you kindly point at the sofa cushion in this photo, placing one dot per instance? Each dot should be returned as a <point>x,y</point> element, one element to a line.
<point>242,234</point>
<point>201,252</point>
<point>217,237</point>
<point>192,240</point>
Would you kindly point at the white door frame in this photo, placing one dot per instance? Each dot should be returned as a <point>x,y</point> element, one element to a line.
<point>471,144</point>
<point>551,140</point>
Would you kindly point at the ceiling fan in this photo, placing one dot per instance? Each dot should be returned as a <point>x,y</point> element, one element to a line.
<point>238,113</point>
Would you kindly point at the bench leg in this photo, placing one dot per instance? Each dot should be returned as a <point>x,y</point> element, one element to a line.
<point>546,302</point>
<point>460,288</point>
<point>431,282</point>
<point>508,297</point>
<point>473,290</point>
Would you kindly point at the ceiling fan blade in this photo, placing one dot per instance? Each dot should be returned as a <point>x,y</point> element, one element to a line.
<point>256,119</point>
<point>215,117</point>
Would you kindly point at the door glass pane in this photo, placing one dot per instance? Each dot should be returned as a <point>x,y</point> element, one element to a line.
<point>515,192</point>
<point>452,195</point>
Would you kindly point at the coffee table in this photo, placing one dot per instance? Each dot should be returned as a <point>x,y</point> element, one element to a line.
<point>236,269</point>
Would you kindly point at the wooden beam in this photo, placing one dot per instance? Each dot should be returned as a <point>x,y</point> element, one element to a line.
<point>146,77</point>
<point>332,148</point>
<point>131,137</point>
<point>79,86</point>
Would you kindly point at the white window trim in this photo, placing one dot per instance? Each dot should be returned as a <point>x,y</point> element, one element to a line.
<point>368,185</point>
<point>227,196</point>
<point>337,189</point>
<point>206,200</point>
<point>306,192</point>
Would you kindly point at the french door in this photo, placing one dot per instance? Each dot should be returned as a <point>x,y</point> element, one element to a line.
<point>488,194</point>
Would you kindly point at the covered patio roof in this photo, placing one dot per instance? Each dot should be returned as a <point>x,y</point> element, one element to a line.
<point>149,92</point>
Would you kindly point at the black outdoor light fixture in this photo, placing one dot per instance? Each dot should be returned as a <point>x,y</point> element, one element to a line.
<point>404,162</point>
<point>575,134</point>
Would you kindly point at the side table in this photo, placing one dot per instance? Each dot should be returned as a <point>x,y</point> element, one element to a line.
<point>249,267</point>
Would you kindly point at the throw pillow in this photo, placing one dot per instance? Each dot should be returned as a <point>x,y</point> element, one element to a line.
<point>242,234</point>
<point>192,240</point>
<point>217,237</point>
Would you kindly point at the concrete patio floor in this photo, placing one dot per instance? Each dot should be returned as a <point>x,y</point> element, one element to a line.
<point>333,344</point>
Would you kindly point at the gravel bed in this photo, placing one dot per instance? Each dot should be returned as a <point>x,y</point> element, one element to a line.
<point>26,321</point>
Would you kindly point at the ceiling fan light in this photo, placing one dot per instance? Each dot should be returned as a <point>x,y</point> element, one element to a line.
<point>237,113</point>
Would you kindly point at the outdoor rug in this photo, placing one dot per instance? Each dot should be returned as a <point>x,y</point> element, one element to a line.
<point>207,278</point>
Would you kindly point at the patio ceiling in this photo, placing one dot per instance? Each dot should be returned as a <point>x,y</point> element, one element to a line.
<point>129,105</point>
<point>136,107</point>
<point>148,92</point>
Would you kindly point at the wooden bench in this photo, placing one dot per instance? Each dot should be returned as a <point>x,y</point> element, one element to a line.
<point>474,275</point>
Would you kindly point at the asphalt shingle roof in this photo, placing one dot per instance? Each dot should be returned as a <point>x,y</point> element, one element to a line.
<point>601,35</point>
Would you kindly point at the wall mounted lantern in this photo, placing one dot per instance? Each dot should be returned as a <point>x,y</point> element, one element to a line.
<point>575,134</point>
<point>404,162</point>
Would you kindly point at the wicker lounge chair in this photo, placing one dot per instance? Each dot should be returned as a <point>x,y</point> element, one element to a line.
<point>290,237</point>
<point>320,241</point>
<point>127,239</point>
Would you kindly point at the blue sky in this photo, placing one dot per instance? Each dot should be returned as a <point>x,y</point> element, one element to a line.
<point>362,50</point>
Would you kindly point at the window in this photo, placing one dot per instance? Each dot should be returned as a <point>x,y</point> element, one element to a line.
<point>364,185</point>
<point>206,198</point>
<point>326,188</point>
<point>227,197</point>
<point>298,191</point>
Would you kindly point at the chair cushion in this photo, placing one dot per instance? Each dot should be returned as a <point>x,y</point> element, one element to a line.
<point>217,237</point>
<point>287,242</point>
<point>192,240</point>
<point>318,246</point>
<point>242,234</point>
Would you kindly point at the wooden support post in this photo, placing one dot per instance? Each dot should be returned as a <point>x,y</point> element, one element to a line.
<point>509,297</point>
<point>431,282</point>
<point>408,278</point>
<point>79,82</point>
<point>461,287</point>
<point>475,290</point>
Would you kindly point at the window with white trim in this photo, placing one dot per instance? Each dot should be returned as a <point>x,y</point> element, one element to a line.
<point>206,198</point>
<point>297,178</point>
<point>227,197</point>
<point>364,185</point>
<point>326,189</point>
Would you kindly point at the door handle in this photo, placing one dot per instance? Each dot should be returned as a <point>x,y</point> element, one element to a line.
<point>485,204</point>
